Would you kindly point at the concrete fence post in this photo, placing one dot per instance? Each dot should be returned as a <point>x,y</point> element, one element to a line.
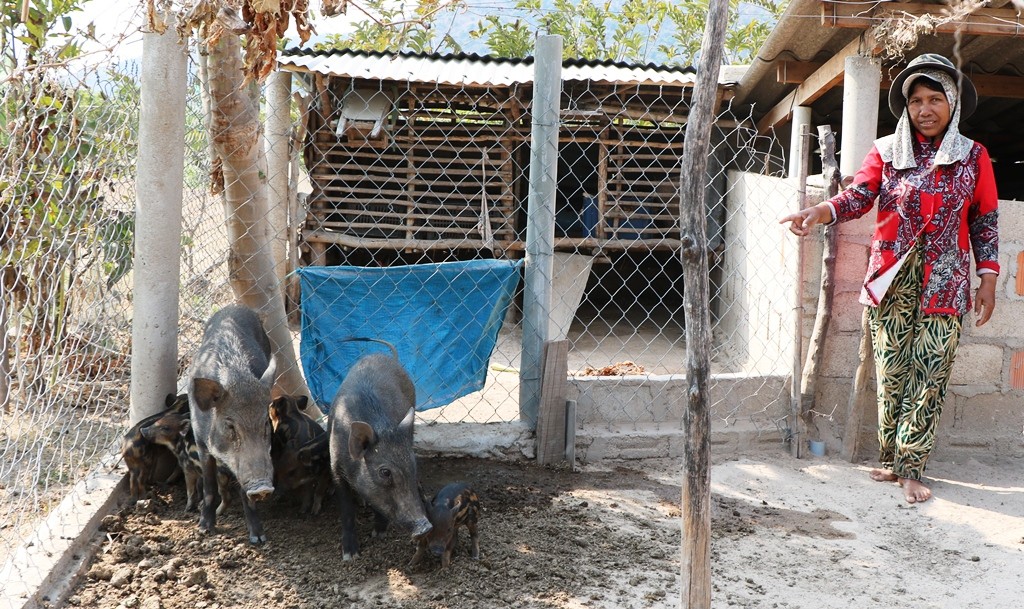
<point>158,188</point>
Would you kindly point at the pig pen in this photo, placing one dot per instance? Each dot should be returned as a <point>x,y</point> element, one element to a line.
<point>786,533</point>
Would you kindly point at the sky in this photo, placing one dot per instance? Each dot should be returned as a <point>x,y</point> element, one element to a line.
<point>118,22</point>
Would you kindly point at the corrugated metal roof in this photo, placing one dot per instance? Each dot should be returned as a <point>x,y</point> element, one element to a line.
<point>481,70</point>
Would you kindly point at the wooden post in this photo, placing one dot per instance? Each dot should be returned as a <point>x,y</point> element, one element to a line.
<point>860,398</point>
<point>826,293</point>
<point>799,428</point>
<point>551,418</point>
<point>696,483</point>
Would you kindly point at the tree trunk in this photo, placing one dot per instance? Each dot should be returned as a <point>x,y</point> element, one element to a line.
<point>237,139</point>
<point>696,491</point>
<point>826,292</point>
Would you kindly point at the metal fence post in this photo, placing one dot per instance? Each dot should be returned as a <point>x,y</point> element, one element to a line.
<point>159,186</point>
<point>540,221</point>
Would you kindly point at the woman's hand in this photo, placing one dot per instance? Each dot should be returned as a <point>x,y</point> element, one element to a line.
<point>985,298</point>
<point>804,220</point>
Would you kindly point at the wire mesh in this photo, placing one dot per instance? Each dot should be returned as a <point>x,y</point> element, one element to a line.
<point>383,173</point>
<point>67,160</point>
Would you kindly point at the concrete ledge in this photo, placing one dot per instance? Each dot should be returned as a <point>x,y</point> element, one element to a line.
<point>654,398</point>
<point>47,566</point>
<point>501,441</point>
<point>651,442</point>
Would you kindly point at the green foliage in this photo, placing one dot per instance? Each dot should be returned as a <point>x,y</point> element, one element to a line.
<point>636,31</point>
<point>630,30</point>
<point>62,151</point>
<point>48,28</point>
<point>393,30</point>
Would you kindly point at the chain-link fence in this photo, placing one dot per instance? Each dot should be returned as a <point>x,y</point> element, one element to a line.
<point>386,172</point>
<point>416,159</point>
<point>67,155</point>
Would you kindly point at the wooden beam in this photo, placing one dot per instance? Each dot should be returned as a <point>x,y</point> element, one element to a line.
<point>988,85</point>
<point>986,21</point>
<point>829,75</point>
<point>1011,87</point>
<point>795,72</point>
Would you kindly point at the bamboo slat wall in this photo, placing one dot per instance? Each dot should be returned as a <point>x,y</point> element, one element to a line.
<point>440,175</point>
<point>448,171</point>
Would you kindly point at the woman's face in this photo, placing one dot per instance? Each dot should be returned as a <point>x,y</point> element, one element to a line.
<point>929,110</point>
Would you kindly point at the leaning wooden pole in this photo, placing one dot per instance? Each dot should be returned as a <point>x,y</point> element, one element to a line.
<point>826,292</point>
<point>696,491</point>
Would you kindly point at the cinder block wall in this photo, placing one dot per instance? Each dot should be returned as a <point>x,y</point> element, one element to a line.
<point>983,408</point>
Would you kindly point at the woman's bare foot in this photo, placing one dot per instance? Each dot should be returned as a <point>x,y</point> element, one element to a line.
<point>915,491</point>
<point>883,475</point>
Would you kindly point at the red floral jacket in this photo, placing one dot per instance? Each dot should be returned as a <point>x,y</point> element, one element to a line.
<point>952,209</point>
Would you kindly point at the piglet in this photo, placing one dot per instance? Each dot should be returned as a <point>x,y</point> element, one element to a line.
<point>454,506</point>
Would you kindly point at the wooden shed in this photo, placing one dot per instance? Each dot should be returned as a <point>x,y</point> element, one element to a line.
<point>412,152</point>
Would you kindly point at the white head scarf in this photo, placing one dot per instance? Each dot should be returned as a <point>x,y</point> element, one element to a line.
<point>898,148</point>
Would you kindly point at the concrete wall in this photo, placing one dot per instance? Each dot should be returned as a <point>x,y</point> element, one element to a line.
<point>756,323</point>
<point>982,408</point>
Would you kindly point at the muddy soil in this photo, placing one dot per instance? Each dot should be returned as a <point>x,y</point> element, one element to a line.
<point>548,538</point>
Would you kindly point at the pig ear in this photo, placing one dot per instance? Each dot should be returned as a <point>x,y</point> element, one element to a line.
<point>184,427</point>
<point>207,393</point>
<point>360,438</point>
<point>270,374</point>
<point>409,418</point>
<point>301,402</point>
<point>278,406</point>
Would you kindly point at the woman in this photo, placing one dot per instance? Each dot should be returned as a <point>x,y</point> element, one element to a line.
<point>937,199</point>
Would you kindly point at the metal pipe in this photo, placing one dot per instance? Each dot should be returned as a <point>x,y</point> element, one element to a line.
<point>540,221</point>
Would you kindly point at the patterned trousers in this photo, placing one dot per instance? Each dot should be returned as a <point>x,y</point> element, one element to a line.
<point>913,360</point>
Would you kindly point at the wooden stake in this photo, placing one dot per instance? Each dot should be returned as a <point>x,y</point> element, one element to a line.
<point>551,418</point>
<point>695,557</point>
<point>816,348</point>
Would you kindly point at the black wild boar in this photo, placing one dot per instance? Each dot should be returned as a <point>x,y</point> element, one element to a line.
<point>454,506</point>
<point>229,394</point>
<point>138,451</point>
<point>292,427</point>
<point>292,431</point>
<point>307,471</point>
<point>371,435</point>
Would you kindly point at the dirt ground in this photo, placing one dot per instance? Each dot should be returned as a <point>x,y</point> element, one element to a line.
<point>815,533</point>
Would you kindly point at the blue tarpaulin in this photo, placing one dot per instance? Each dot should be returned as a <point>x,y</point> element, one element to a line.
<point>442,318</point>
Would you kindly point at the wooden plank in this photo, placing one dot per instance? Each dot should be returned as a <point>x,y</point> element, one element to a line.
<point>820,82</point>
<point>323,237</point>
<point>795,72</point>
<point>985,21</point>
<point>1011,87</point>
<point>551,418</point>
<point>570,433</point>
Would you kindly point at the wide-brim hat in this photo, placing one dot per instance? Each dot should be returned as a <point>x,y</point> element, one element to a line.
<point>933,61</point>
